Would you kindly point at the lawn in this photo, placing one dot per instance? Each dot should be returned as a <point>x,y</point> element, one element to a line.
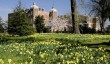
<point>52,48</point>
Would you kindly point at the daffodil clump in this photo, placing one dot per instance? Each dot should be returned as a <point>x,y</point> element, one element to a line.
<point>54,49</point>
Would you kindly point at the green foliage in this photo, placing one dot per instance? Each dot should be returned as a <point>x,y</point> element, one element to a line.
<point>39,23</point>
<point>19,23</point>
<point>1,26</point>
<point>84,29</point>
<point>54,48</point>
<point>19,7</point>
<point>108,29</point>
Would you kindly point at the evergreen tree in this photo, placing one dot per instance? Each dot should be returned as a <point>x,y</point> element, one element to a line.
<point>39,24</point>
<point>19,23</point>
<point>108,29</point>
<point>1,25</point>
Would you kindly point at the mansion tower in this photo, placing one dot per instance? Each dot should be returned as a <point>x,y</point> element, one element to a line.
<point>35,11</point>
<point>54,22</point>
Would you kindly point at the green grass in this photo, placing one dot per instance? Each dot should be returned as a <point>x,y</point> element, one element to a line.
<point>52,48</point>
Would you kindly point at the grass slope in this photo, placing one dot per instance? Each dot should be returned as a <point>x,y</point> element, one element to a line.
<point>52,48</point>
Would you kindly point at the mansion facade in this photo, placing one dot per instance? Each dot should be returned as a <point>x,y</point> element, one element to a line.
<point>54,22</point>
<point>35,11</point>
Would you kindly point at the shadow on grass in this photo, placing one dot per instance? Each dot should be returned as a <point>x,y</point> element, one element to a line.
<point>101,44</point>
<point>66,41</point>
<point>9,40</point>
<point>96,45</point>
<point>63,41</point>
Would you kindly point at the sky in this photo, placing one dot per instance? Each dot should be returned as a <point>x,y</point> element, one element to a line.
<point>63,6</point>
<point>7,6</point>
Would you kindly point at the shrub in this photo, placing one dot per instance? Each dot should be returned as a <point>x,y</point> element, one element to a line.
<point>19,23</point>
<point>108,29</point>
<point>39,24</point>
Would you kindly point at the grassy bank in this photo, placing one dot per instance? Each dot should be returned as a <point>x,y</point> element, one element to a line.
<point>52,48</point>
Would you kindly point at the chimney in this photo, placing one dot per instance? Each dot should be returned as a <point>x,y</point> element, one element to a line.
<point>42,9</point>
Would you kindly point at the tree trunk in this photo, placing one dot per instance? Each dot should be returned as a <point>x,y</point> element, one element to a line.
<point>75,24</point>
<point>102,25</point>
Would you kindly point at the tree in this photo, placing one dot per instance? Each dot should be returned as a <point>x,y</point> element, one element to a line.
<point>19,22</point>
<point>5,25</point>
<point>101,9</point>
<point>59,24</point>
<point>108,29</point>
<point>75,19</point>
<point>1,26</point>
<point>39,24</point>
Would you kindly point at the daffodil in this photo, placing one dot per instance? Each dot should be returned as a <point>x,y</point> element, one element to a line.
<point>9,61</point>
<point>1,61</point>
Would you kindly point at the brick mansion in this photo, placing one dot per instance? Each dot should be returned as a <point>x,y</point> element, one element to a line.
<point>36,11</point>
<point>53,21</point>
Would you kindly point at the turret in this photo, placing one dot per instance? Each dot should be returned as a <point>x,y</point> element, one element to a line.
<point>53,13</point>
<point>34,6</point>
<point>35,10</point>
